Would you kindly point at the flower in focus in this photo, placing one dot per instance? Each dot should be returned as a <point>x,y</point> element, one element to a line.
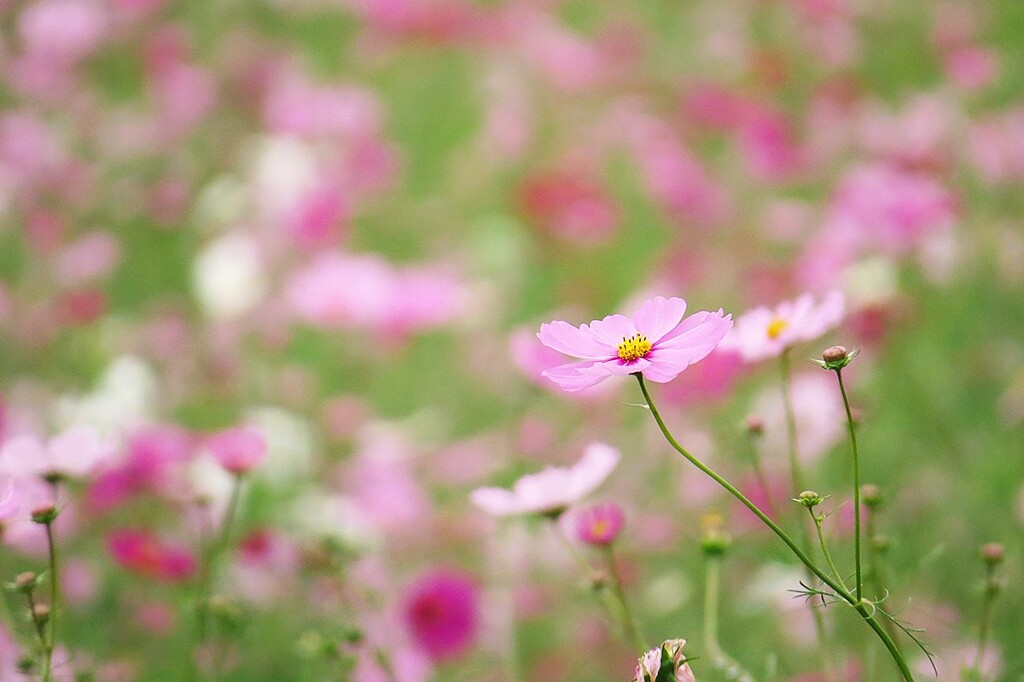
<point>764,333</point>
<point>442,613</point>
<point>656,342</point>
<point>552,490</point>
<point>599,524</point>
<point>649,667</point>
<point>74,453</point>
<point>238,450</point>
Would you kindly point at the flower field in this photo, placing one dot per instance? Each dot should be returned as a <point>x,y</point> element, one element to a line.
<point>511,340</point>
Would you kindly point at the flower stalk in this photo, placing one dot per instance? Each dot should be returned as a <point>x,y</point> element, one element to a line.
<point>866,610</point>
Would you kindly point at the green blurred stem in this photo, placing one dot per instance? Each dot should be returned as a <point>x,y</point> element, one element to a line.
<point>40,634</point>
<point>213,554</point>
<point>721,661</point>
<point>985,622</point>
<point>54,602</point>
<point>620,594</point>
<point>866,611</point>
<point>856,484</point>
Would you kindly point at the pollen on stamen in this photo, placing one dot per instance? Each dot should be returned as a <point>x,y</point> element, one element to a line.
<point>776,327</point>
<point>634,348</point>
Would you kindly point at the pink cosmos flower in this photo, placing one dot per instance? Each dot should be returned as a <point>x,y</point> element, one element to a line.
<point>656,342</point>
<point>552,490</point>
<point>442,613</point>
<point>765,332</point>
<point>142,552</point>
<point>648,668</point>
<point>599,524</point>
<point>75,453</point>
<point>238,450</point>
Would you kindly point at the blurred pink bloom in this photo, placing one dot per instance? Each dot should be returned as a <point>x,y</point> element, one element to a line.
<point>570,206</point>
<point>767,145</point>
<point>92,256</point>
<point>61,31</point>
<point>708,381</point>
<point>656,342</point>
<point>239,450</point>
<point>599,524</point>
<point>296,107</point>
<point>319,217</point>
<point>75,452</point>
<point>143,553</point>
<point>10,500</point>
<point>764,333</point>
<point>368,292</point>
<point>996,146</point>
<point>971,68</point>
<point>533,358</point>
<point>552,490</point>
<point>152,455</point>
<point>442,613</point>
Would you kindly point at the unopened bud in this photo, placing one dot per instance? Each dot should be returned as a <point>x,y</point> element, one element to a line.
<point>992,553</point>
<point>41,613</point>
<point>599,580</point>
<point>45,513</point>
<point>715,541</point>
<point>836,357</point>
<point>809,499</point>
<point>881,543</point>
<point>755,425</point>
<point>26,582</point>
<point>871,496</point>
<point>26,665</point>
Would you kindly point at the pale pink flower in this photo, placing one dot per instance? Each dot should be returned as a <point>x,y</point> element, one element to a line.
<point>75,453</point>
<point>655,342</point>
<point>238,450</point>
<point>552,490</point>
<point>10,500</point>
<point>764,332</point>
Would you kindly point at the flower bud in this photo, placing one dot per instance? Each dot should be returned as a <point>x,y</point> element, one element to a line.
<point>881,543</point>
<point>809,499</point>
<point>40,613</point>
<point>836,357</point>
<point>599,580</point>
<point>45,513</point>
<point>992,553</point>
<point>715,541</point>
<point>26,582</point>
<point>871,496</point>
<point>754,425</point>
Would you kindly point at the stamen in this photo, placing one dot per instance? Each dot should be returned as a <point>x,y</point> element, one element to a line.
<point>776,327</point>
<point>634,348</point>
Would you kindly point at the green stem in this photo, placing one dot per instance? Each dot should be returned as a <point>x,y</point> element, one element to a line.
<point>856,484</point>
<point>719,659</point>
<point>866,612</point>
<point>824,548</point>
<point>984,624</point>
<point>620,594</point>
<point>798,481</point>
<point>54,601</point>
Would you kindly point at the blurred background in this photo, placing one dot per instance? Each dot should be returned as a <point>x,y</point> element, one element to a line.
<point>341,222</point>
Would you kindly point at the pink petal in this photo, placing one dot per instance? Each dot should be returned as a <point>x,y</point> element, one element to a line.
<point>598,462</point>
<point>23,456</point>
<point>612,330</point>
<point>75,451</point>
<point>658,316</point>
<point>567,339</point>
<point>569,377</point>
<point>698,329</point>
<point>615,367</point>
<point>495,501</point>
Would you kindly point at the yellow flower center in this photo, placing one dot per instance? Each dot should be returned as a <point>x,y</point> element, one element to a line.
<point>599,528</point>
<point>776,327</point>
<point>634,348</point>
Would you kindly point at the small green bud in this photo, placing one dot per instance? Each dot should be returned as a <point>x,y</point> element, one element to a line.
<point>881,543</point>
<point>809,499</point>
<point>715,541</point>
<point>754,425</point>
<point>40,613</point>
<point>26,665</point>
<point>599,580</point>
<point>45,513</point>
<point>836,357</point>
<point>871,496</point>
<point>24,582</point>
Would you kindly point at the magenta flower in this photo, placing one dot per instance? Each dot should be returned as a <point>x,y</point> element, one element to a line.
<point>238,450</point>
<point>552,490</point>
<point>442,613</point>
<point>764,333</point>
<point>599,524</point>
<point>656,342</point>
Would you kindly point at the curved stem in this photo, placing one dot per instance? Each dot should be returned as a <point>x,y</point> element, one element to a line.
<point>824,548</point>
<point>856,484</point>
<point>863,609</point>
